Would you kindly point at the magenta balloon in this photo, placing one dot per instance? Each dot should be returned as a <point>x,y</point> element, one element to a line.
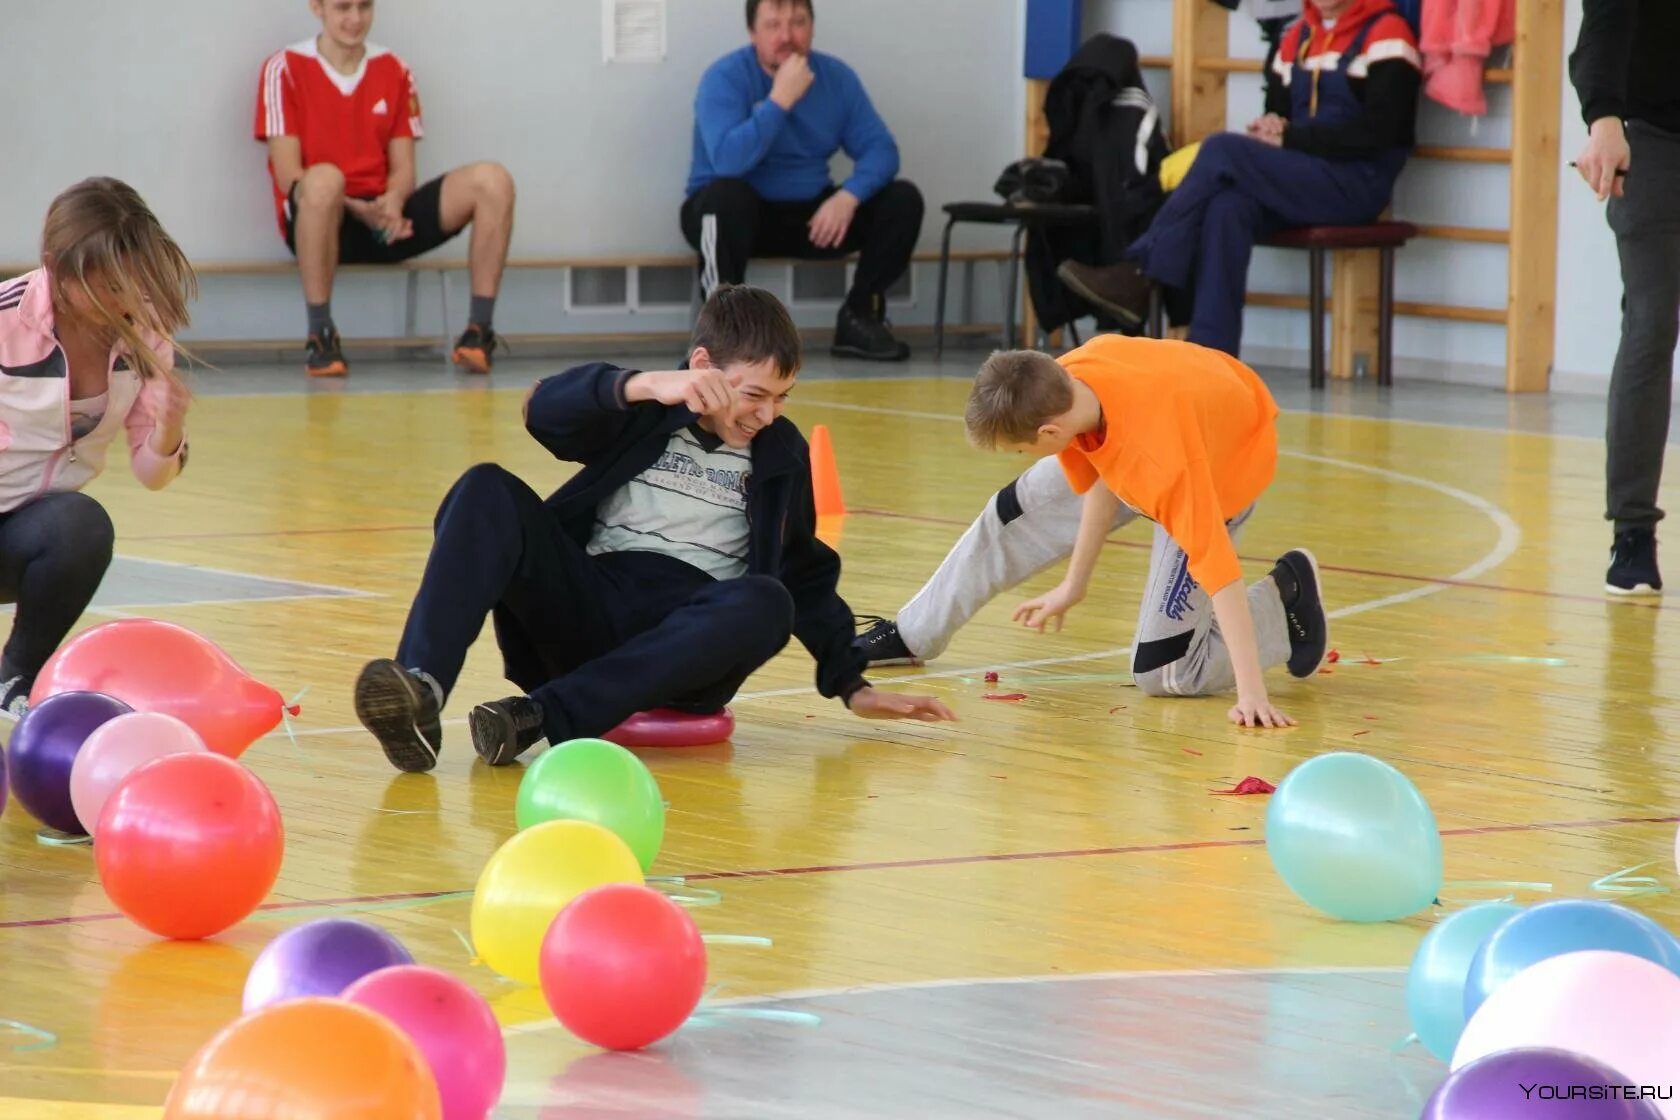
<point>320,958</point>
<point>43,750</point>
<point>453,1026</point>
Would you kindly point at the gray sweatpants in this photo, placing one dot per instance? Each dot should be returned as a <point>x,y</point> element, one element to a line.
<point>1646,221</point>
<point>1029,525</point>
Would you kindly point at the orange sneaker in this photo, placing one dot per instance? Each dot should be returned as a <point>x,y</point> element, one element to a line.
<point>474,348</point>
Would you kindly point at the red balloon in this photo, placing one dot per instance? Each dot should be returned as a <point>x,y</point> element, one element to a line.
<point>622,966</point>
<point>157,666</point>
<point>189,844</point>
<point>665,727</point>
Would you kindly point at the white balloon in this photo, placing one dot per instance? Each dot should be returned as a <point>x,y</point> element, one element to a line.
<point>1620,1009</point>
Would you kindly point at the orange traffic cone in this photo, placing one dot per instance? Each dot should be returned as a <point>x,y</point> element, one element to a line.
<point>825,475</point>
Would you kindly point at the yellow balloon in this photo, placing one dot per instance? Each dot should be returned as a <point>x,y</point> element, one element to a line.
<point>531,878</point>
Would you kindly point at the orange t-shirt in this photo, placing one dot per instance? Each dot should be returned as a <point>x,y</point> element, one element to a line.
<point>1191,441</point>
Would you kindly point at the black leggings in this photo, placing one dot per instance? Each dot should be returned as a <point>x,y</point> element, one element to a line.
<point>53,554</point>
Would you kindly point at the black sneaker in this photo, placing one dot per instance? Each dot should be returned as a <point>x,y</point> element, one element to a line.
<point>502,730</point>
<point>1303,611</point>
<point>1122,289</point>
<point>857,335</point>
<point>14,698</point>
<point>400,707</point>
<point>881,645</point>
<point>1633,564</point>
<point>324,356</point>
<point>474,348</point>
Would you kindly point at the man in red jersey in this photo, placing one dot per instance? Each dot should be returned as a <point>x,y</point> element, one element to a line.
<point>340,117</point>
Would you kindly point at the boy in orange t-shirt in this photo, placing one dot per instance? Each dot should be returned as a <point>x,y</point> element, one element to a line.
<point>1185,437</point>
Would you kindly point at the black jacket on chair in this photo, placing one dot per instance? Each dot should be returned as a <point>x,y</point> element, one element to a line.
<point>1106,128</point>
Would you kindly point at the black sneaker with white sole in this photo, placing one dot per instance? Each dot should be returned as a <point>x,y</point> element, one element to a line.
<point>400,707</point>
<point>1296,574</point>
<point>1633,564</point>
<point>881,644</point>
<point>502,730</point>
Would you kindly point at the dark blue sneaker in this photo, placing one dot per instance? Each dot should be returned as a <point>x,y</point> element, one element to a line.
<point>1633,564</point>
<point>1296,574</point>
<point>401,708</point>
<point>881,645</point>
<point>502,730</point>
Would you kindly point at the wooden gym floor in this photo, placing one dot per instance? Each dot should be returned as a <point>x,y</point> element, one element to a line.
<point>1041,911</point>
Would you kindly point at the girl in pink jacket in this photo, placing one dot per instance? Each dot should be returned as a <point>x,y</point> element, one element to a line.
<point>85,352</point>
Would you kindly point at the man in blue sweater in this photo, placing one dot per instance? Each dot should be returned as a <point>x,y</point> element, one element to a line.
<point>767,120</point>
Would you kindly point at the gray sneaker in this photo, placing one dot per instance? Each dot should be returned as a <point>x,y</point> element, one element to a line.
<point>401,708</point>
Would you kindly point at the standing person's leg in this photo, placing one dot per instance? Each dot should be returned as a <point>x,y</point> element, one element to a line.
<point>1178,649</point>
<point>721,222</point>
<point>480,195</point>
<point>54,552</point>
<point>1646,221</point>
<point>1025,527</point>
<point>496,544</point>
<point>696,655</point>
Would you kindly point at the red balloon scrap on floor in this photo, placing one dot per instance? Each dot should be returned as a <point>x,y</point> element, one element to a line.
<point>1249,785</point>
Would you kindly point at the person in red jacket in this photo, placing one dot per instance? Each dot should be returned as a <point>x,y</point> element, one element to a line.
<point>1338,128</point>
<point>340,117</point>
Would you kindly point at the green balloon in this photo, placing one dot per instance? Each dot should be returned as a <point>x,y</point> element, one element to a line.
<point>594,780</point>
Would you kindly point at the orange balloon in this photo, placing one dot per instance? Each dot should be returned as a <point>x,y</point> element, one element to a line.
<point>324,1059</point>
<point>189,844</point>
<point>157,666</point>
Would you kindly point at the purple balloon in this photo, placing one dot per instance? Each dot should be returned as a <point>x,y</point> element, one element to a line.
<point>1536,1081</point>
<point>44,745</point>
<point>2,781</point>
<point>320,958</point>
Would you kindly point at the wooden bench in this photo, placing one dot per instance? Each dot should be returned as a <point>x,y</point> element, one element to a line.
<point>412,270</point>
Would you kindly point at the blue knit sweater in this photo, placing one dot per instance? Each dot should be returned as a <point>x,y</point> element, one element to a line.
<point>739,133</point>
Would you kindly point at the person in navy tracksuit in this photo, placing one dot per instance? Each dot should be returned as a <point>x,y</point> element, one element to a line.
<point>1341,110</point>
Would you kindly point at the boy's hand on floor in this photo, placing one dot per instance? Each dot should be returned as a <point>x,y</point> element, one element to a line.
<point>1052,606</point>
<point>1257,713</point>
<point>872,703</point>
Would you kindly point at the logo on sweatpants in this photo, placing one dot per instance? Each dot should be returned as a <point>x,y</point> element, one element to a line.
<point>1177,600</point>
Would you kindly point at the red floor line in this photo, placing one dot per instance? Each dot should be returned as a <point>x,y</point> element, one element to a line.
<point>1442,581</point>
<point>901,864</point>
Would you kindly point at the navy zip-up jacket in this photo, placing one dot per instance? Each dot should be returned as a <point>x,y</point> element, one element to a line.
<point>581,416</point>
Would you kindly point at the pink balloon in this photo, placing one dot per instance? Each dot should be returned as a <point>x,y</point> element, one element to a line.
<point>451,1024</point>
<point>157,666</point>
<point>116,749</point>
<point>1620,1009</point>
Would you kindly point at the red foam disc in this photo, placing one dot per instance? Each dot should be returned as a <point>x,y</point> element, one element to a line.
<point>663,727</point>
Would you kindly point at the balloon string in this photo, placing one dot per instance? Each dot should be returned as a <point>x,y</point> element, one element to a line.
<point>737,939</point>
<point>468,946</point>
<point>1496,885</point>
<point>674,887</point>
<point>44,1040</point>
<point>1445,901</point>
<point>1403,1043</point>
<point>706,1016</point>
<point>1625,882</point>
<point>286,719</point>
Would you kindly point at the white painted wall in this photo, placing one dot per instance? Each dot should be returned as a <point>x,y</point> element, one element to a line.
<point>161,93</point>
<point>1589,284</point>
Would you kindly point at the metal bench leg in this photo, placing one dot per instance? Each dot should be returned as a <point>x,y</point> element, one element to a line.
<point>1385,320</point>
<point>1013,287</point>
<point>944,274</point>
<point>411,304</point>
<point>1315,317</point>
<point>1073,332</point>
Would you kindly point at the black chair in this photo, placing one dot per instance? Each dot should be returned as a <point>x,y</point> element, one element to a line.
<point>1024,217</point>
<point>1317,240</point>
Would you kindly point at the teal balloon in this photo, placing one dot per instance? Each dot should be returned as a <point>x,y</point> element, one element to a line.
<point>1353,837</point>
<point>1569,925</point>
<point>597,781</point>
<point>1435,983</point>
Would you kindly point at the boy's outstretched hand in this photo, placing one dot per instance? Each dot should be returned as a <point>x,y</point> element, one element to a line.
<point>1052,606</point>
<point>872,703</point>
<point>1257,713</point>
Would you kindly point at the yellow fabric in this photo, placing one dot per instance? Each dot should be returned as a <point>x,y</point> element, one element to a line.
<point>1177,165</point>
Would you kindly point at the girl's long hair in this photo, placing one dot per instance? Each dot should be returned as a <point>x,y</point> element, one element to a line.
<point>103,242</point>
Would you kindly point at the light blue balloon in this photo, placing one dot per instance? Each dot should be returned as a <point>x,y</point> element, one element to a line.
<point>1353,837</point>
<point>1435,983</point>
<point>1566,926</point>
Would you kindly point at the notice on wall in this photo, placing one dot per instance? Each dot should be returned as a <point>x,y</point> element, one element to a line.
<point>633,30</point>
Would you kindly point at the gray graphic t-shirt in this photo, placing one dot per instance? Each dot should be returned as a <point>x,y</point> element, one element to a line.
<point>691,504</point>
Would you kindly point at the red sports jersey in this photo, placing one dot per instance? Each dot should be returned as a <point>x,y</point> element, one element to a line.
<point>346,120</point>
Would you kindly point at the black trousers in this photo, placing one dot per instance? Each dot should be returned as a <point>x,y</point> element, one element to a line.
<point>728,223</point>
<point>53,554</point>
<point>612,635</point>
<point>1646,221</point>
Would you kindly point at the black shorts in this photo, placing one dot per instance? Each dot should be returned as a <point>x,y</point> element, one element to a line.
<point>357,244</point>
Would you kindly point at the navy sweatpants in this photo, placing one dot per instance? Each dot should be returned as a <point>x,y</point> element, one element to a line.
<point>615,634</point>
<point>1239,190</point>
